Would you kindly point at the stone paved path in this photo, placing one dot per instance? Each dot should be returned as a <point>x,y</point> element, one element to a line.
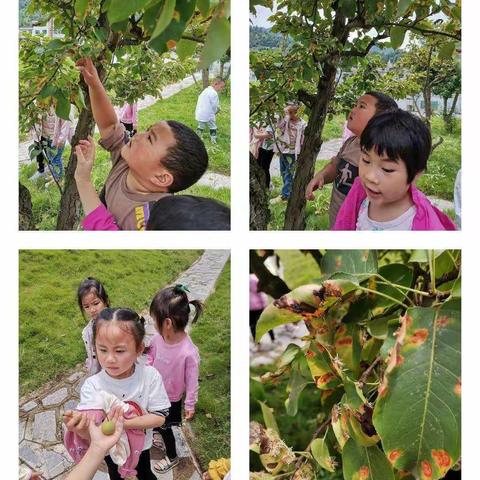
<point>266,352</point>
<point>331,148</point>
<point>40,414</point>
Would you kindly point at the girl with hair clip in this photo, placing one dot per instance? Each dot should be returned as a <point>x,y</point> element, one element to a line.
<point>92,298</point>
<point>124,387</point>
<point>175,356</point>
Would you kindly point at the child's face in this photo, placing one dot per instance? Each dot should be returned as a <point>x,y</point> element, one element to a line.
<point>384,179</point>
<point>116,349</point>
<point>144,154</point>
<point>361,113</point>
<point>92,305</point>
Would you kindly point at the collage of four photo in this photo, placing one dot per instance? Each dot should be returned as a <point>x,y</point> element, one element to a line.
<point>130,114</point>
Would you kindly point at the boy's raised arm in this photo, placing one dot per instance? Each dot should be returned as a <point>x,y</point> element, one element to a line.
<point>102,109</point>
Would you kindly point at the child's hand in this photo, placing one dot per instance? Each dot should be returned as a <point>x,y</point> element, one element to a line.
<point>315,184</point>
<point>76,422</point>
<point>189,414</point>
<point>85,151</point>
<point>88,71</point>
<point>104,442</point>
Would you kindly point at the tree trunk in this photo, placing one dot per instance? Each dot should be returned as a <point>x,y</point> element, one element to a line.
<point>69,213</point>
<point>25,214</point>
<point>259,212</point>
<point>267,282</point>
<point>205,79</point>
<point>295,214</point>
<point>427,98</point>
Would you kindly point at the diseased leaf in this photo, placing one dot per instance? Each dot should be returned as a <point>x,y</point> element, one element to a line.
<point>349,261</point>
<point>417,413</point>
<point>62,109</point>
<point>365,463</point>
<point>295,387</point>
<point>322,455</point>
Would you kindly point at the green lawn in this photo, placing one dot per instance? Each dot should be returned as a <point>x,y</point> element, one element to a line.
<point>438,180</point>
<point>181,107</point>
<point>212,336</point>
<point>50,320</point>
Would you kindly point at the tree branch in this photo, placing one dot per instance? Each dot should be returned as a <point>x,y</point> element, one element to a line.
<point>267,282</point>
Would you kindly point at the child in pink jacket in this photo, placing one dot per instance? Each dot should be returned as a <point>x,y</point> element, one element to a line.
<point>395,147</point>
<point>175,356</point>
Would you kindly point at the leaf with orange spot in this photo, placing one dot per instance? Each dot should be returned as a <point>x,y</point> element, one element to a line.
<point>350,261</point>
<point>347,347</point>
<point>365,463</point>
<point>419,411</point>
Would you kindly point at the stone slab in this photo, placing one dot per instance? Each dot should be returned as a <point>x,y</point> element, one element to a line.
<point>27,407</point>
<point>45,427</point>
<point>56,397</point>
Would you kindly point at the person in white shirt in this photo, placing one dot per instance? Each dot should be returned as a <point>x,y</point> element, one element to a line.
<point>208,107</point>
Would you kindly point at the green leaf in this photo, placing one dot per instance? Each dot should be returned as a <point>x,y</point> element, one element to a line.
<point>185,49</point>
<point>268,416</point>
<point>397,35</point>
<point>295,387</point>
<point>365,463</point>
<point>349,261</point>
<point>395,273</point>
<point>288,355</point>
<point>164,18</point>
<point>457,288</point>
<point>81,98</point>
<point>419,256</point>
<point>81,8</point>
<point>417,413</point>
<point>121,9</point>
<point>216,43</point>
<point>62,109</point>
<point>322,455</point>
<point>48,90</point>
<point>403,6</point>
<point>348,7</point>
<point>446,51</point>
<point>204,7</point>
<point>444,264</point>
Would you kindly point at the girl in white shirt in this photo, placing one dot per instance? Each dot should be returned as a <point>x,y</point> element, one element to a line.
<point>118,335</point>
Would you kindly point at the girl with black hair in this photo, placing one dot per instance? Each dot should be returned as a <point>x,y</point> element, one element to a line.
<point>92,298</point>
<point>175,356</point>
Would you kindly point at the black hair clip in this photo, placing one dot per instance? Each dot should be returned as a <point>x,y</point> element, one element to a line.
<point>179,288</point>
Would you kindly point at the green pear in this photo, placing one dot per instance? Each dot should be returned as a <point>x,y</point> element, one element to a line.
<point>108,427</point>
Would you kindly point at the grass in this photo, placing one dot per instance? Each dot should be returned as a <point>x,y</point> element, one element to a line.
<point>300,268</point>
<point>212,336</point>
<point>181,107</point>
<point>437,181</point>
<point>50,321</point>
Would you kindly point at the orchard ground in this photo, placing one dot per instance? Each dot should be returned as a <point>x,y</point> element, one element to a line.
<point>181,107</point>
<point>437,182</point>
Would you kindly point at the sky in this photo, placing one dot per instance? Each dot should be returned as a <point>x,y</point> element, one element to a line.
<point>260,19</point>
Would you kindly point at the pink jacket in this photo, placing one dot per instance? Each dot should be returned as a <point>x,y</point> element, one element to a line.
<point>258,300</point>
<point>77,446</point>
<point>178,365</point>
<point>427,216</point>
<point>100,219</point>
<point>128,113</point>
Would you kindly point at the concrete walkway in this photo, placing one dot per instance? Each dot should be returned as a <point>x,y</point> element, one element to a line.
<point>40,416</point>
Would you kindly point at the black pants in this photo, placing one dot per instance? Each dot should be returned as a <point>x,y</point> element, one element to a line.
<point>174,418</point>
<point>144,471</point>
<point>264,160</point>
<point>254,316</point>
<point>41,157</point>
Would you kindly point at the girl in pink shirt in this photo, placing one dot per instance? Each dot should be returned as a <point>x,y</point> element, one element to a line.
<point>175,356</point>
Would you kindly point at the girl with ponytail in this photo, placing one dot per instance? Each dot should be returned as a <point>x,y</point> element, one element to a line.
<point>175,356</point>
